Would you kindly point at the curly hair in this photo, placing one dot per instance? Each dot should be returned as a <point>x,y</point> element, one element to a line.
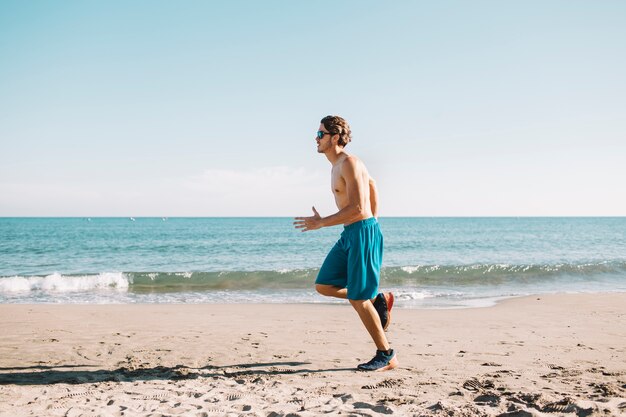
<point>337,125</point>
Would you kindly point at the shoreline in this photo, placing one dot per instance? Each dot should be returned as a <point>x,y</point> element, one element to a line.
<point>546,353</point>
<point>470,303</point>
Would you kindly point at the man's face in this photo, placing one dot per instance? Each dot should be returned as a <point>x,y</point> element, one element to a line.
<point>325,142</point>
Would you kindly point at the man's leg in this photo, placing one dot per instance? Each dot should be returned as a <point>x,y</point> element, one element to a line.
<point>385,358</point>
<point>332,291</point>
<point>371,321</point>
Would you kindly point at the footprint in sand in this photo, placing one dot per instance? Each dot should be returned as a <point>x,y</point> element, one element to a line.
<point>387,383</point>
<point>383,409</point>
<point>239,396</point>
<point>566,405</point>
<point>606,389</point>
<point>489,398</point>
<point>57,406</point>
<point>215,411</point>
<point>78,394</point>
<point>569,373</point>
<point>161,396</point>
<point>475,385</point>
<point>296,401</point>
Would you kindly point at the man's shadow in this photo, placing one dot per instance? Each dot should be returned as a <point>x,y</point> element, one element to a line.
<point>44,375</point>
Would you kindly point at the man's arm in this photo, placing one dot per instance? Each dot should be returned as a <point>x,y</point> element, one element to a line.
<point>374,197</point>
<point>353,211</point>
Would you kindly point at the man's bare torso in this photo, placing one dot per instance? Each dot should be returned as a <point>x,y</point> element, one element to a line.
<point>339,189</point>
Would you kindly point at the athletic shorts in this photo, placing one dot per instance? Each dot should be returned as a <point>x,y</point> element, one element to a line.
<point>355,260</point>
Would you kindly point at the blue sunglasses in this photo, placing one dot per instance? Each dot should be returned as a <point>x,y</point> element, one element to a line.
<point>321,134</point>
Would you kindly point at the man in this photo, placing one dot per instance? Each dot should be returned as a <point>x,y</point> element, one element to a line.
<point>352,268</point>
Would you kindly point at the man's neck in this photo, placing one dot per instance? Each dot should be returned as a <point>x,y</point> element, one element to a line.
<point>335,155</point>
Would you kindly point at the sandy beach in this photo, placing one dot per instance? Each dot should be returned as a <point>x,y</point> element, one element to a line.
<point>533,356</point>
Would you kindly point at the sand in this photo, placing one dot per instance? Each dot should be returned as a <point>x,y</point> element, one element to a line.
<point>533,356</point>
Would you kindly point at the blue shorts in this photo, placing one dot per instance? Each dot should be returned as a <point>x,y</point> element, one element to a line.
<point>355,260</point>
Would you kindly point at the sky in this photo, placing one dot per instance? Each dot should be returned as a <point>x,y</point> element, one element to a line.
<point>210,108</point>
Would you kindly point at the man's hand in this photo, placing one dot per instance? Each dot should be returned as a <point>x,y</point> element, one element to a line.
<point>308,223</point>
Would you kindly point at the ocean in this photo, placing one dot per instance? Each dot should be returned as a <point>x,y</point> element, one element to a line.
<point>428,262</point>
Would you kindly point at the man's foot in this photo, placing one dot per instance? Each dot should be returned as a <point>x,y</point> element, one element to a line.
<point>383,361</point>
<point>383,304</point>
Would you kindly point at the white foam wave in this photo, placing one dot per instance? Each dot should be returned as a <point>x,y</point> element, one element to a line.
<point>420,268</point>
<point>413,295</point>
<point>60,283</point>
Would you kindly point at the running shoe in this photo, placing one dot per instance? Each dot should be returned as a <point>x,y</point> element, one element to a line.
<point>381,362</point>
<point>383,304</point>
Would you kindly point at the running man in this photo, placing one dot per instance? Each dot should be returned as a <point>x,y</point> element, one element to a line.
<point>352,268</point>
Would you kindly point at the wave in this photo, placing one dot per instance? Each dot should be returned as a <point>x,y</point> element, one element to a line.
<point>221,280</point>
<point>285,279</point>
<point>145,282</point>
<point>65,283</point>
<point>492,274</point>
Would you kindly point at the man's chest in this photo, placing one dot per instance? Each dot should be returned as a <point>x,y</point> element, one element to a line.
<point>337,183</point>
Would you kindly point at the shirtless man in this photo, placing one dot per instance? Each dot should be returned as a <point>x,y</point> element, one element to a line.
<point>352,268</point>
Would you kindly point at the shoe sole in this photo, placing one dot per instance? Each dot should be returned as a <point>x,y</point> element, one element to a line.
<point>389,300</point>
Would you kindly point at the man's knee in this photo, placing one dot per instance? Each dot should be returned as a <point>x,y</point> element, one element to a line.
<point>324,289</point>
<point>359,304</point>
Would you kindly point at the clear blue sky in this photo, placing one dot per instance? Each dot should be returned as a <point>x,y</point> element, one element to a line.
<point>206,108</point>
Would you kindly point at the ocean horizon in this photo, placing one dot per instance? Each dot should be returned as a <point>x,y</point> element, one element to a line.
<point>429,262</point>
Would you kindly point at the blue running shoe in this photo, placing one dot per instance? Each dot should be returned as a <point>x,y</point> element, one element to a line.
<point>381,362</point>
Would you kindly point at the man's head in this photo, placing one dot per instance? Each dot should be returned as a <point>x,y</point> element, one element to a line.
<point>336,125</point>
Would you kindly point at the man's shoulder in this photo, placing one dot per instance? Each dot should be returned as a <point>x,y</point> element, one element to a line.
<point>351,161</point>
<point>351,165</point>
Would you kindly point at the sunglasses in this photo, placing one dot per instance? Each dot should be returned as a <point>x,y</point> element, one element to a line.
<point>321,134</point>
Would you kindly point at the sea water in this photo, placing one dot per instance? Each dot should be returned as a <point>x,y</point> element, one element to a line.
<point>428,262</point>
